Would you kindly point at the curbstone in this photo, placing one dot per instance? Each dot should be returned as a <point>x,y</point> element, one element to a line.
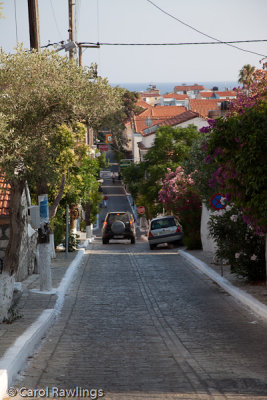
<point>14,358</point>
<point>239,294</point>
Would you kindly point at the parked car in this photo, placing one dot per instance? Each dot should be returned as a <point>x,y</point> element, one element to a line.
<point>165,229</point>
<point>118,225</point>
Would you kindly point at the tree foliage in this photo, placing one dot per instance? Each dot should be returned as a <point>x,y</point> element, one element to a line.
<point>42,95</point>
<point>238,147</point>
<point>115,121</point>
<point>246,75</point>
<point>170,149</point>
<point>41,91</point>
<point>180,196</point>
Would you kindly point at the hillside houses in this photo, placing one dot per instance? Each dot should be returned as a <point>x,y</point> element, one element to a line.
<point>184,106</point>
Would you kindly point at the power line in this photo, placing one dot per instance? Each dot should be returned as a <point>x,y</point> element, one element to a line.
<point>202,33</point>
<point>176,43</point>
<point>55,19</point>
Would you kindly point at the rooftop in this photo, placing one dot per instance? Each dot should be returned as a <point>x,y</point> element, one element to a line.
<point>203,106</point>
<point>188,87</point>
<point>4,197</point>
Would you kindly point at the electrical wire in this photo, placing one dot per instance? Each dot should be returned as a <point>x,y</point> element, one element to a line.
<point>174,44</point>
<point>202,33</point>
<point>55,19</point>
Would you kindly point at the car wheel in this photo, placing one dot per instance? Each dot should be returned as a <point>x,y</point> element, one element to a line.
<point>152,246</point>
<point>105,241</point>
<point>133,240</point>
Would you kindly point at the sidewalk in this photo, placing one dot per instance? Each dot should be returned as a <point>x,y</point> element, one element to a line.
<point>38,311</point>
<point>257,289</point>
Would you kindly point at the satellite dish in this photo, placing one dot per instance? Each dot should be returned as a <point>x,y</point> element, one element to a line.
<point>149,122</point>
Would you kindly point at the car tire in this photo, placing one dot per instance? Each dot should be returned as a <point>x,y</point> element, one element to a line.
<point>133,240</point>
<point>105,241</point>
<point>152,246</point>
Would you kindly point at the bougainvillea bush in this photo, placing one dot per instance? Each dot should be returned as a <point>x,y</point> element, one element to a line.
<point>238,244</point>
<point>237,147</point>
<point>180,197</point>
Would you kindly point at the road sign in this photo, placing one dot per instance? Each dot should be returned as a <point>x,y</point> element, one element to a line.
<point>141,210</point>
<point>109,138</point>
<point>216,201</point>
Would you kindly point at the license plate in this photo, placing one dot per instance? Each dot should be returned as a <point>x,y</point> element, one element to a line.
<point>118,237</point>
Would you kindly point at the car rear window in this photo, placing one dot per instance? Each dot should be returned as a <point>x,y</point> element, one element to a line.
<point>162,223</point>
<point>118,217</point>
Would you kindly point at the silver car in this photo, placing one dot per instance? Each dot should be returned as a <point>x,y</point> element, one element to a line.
<point>165,229</point>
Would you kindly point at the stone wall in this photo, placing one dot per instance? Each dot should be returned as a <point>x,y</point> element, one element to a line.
<point>4,238</point>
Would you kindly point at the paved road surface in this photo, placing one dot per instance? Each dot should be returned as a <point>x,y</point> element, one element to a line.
<point>144,324</point>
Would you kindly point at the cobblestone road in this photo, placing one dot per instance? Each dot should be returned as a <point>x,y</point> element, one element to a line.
<point>143,324</point>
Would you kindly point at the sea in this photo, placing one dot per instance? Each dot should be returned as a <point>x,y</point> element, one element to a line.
<point>167,87</point>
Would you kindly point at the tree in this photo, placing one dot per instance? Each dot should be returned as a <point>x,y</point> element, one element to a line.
<point>170,149</point>
<point>246,75</point>
<point>237,146</point>
<point>115,121</point>
<point>40,92</point>
<point>180,196</point>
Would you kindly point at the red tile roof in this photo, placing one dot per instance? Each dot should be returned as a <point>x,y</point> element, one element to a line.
<point>4,197</point>
<point>203,106</point>
<point>206,94</point>
<point>188,87</point>
<point>143,104</point>
<point>175,96</point>
<point>174,115</point>
<point>179,119</point>
<point>226,93</point>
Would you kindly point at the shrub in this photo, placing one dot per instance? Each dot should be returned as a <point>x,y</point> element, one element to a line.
<point>179,196</point>
<point>238,244</point>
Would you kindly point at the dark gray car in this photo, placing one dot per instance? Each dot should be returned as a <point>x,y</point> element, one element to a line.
<point>118,225</point>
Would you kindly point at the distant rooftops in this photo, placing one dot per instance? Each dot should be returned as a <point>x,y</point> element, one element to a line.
<point>187,88</point>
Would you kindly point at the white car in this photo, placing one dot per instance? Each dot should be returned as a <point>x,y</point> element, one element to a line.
<point>165,229</point>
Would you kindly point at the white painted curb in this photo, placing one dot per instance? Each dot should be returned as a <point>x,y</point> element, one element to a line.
<point>67,279</point>
<point>239,294</point>
<point>15,357</point>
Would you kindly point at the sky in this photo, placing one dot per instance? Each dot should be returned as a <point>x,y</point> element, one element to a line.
<point>139,21</point>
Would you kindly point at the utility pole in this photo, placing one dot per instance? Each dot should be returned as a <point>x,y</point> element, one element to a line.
<point>34,24</point>
<point>71,26</point>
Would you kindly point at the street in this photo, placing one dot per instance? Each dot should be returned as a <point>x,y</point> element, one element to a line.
<point>142,324</point>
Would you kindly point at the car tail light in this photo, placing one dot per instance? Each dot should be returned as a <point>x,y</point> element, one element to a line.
<point>150,234</point>
<point>105,223</point>
<point>178,229</point>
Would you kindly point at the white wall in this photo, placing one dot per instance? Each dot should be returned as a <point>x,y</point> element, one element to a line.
<point>208,244</point>
<point>198,122</point>
<point>136,138</point>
